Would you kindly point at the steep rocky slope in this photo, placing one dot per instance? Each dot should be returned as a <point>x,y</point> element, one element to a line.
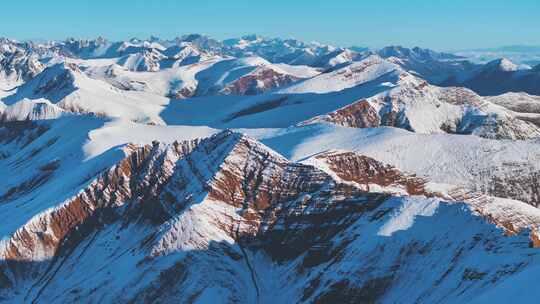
<point>17,64</point>
<point>503,168</point>
<point>224,217</point>
<point>413,104</point>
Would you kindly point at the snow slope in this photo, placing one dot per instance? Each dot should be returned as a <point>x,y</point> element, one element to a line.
<point>67,87</point>
<point>469,161</point>
<point>166,243</point>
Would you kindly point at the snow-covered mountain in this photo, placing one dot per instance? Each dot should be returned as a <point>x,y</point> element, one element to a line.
<point>417,53</point>
<point>497,77</point>
<point>16,64</point>
<point>521,54</point>
<point>415,105</point>
<point>258,170</point>
<point>430,65</point>
<point>165,215</point>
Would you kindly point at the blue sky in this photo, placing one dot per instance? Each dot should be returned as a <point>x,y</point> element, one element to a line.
<point>443,25</point>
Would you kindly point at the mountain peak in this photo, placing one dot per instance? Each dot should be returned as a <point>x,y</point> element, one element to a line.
<point>416,53</point>
<point>502,64</point>
<point>252,37</point>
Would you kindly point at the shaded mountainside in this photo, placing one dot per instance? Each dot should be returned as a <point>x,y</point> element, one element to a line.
<point>225,217</point>
<point>430,65</point>
<point>497,77</point>
<point>17,65</point>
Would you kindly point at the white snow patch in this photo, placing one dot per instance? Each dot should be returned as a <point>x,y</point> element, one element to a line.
<point>404,218</point>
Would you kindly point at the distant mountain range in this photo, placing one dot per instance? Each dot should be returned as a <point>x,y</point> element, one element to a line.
<point>497,77</point>
<point>521,54</point>
<point>19,59</point>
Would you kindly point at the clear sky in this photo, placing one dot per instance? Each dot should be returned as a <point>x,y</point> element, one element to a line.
<point>438,24</point>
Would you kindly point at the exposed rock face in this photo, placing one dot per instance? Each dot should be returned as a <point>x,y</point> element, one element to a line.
<point>360,114</point>
<point>17,66</point>
<point>373,176</point>
<point>155,182</point>
<point>398,108</point>
<point>54,228</point>
<point>227,211</point>
<point>417,106</point>
<point>517,181</point>
<point>185,92</point>
<point>369,173</point>
<point>261,80</point>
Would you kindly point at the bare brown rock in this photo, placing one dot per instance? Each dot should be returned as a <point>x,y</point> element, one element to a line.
<point>364,171</point>
<point>261,80</point>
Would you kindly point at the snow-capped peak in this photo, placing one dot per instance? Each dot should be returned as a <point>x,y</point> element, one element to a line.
<point>354,74</point>
<point>416,53</point>
<point>502,64</point>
